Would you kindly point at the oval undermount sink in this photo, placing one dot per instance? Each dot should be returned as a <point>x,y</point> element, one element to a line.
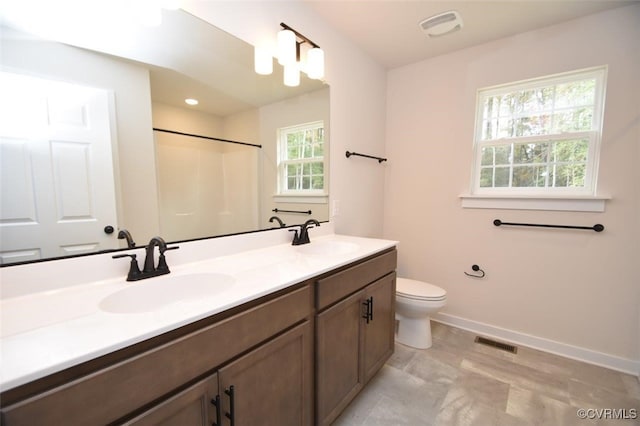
<point>154,293</point>
<point>328,248</point>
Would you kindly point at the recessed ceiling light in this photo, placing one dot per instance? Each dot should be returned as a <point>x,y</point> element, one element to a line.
<point>191,101</point>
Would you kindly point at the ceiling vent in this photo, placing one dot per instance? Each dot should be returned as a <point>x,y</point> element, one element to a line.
<point>444,23</point>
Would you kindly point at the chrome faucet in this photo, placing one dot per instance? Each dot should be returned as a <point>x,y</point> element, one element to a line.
<point>272,218</point>
<point>149,270</point>
<point>303,237</point>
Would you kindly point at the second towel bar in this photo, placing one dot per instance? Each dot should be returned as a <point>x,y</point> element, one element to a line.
<point>597,227</point>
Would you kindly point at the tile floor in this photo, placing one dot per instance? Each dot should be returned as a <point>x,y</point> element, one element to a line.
<point>459,382</point>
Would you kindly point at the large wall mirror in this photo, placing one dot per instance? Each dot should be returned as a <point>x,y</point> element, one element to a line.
<point>96,137</point>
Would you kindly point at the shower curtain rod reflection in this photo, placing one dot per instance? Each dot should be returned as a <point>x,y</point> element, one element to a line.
<point>205,137</point>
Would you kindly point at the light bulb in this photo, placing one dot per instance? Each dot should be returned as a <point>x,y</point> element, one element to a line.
<point>315,63</point>
<point>291,75</point>
<point>262,60</point>
<point>286,47</point>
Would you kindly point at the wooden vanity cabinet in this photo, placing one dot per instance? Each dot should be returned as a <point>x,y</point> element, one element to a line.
<point>354,331</point>
<point>264,350</point>
<point>270,385</point>
<point>192,406</point>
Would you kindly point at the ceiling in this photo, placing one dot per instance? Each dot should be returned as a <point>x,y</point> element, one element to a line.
<point>185,56</point>
<point>389,31</point>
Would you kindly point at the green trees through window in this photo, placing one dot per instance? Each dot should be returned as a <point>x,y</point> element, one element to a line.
<point>302,158</point>
<point>541,134</point>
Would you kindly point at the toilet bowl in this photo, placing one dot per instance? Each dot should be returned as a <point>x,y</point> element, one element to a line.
<point>416,301</point>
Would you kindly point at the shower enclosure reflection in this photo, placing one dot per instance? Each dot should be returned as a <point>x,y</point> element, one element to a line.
<point>205,187</point>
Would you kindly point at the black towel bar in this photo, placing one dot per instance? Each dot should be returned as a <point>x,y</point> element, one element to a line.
<point>292,211</point>
<point>597,227</point>
<point>380,159</point>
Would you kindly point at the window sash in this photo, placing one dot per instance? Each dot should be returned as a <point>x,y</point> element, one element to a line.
<point>549,164</point>
<point>302,177</point>
<point>591,135</point>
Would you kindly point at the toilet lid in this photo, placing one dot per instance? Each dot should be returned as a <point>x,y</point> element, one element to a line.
<point>419,290</point>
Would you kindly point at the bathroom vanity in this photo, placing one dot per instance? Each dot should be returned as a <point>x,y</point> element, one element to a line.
<point>295,351</point>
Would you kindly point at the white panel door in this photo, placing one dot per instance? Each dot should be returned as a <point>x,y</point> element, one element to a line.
<point>56,169</point>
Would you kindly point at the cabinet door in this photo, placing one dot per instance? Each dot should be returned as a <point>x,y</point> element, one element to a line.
<point>339,370</point>
<point>273,384</point>
<point>379,330</point>
<point>191,407</point>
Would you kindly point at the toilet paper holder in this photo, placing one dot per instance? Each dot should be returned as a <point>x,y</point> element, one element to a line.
<point>475,268</point>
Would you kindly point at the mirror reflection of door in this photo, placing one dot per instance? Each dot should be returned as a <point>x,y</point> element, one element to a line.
<point>58,192</point>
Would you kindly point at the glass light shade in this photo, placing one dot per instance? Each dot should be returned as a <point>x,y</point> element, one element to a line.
<point>286,47</point>
<point>291,75</point>
<point>315,63</point>
<point>262,61</point>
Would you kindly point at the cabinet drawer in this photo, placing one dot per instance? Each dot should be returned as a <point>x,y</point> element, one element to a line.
<point>337,286</point>
<point>113,392</point>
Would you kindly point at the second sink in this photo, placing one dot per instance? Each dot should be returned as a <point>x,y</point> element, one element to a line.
<point>159,292</point>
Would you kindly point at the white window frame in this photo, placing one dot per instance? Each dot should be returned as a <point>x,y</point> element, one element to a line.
<point>305,195</point>
<point>593,135</point>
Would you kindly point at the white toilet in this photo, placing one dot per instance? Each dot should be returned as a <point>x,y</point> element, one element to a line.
<point>416,301</point>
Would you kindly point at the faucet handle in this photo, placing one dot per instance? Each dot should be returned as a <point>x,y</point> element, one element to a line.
<point>162,261</point>
<point>296,239</point>
<point>169,248</point>
<point>134,270</point>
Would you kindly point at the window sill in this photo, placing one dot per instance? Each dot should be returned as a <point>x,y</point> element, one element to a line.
<point>552,203</point>
<point>301,198</point>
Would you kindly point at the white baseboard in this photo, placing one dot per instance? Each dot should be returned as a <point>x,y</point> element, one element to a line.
<point>569,351</point>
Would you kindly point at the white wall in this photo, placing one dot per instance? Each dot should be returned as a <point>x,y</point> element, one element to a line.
<point>357,116</point>
<point>577,288</point>
<point>135,169</point>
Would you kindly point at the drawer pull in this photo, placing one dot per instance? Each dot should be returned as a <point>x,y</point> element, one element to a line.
<point>368,304</point>
<point>230,414</point>
<point>216,403</point>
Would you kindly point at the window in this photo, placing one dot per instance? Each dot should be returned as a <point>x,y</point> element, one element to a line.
<point>541,136</point>
<point>301,163</point>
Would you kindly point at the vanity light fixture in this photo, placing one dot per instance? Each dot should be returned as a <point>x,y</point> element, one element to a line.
<point>191,101</point>
<point>288,53</point>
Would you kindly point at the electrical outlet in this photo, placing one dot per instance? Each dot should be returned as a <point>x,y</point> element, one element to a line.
<point>335,209</point>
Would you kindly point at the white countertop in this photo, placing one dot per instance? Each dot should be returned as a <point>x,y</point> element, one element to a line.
<point>47,331</point>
